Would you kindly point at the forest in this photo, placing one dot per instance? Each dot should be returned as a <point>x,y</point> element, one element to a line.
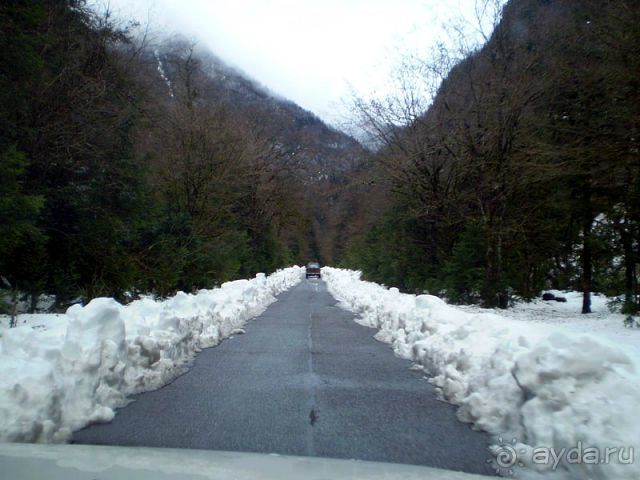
<point>132,166</point>
<point>522,172</point>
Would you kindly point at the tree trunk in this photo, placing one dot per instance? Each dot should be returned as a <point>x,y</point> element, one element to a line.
<point>33,302</point>
<point>630,287</point>
<point>587,251</point>
<point>494,294</point>
<point>13,322</point>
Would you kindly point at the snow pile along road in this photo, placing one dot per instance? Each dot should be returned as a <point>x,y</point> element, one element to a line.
<point>574,397</point>
<point>76,368</point>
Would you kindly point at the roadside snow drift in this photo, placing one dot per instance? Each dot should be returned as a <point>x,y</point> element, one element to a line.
<point>74,369</point>
<point>542,389</point>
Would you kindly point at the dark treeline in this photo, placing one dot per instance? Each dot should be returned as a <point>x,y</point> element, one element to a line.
<point>130,168</point>
<point>523,173</point>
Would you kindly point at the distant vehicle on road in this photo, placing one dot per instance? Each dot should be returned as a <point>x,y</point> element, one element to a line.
<point>313,270</point>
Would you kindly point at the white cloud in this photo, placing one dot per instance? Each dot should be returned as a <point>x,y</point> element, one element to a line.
<point>307,50</point>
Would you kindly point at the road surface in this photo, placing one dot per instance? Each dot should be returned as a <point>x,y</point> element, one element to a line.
<point>307,380</point>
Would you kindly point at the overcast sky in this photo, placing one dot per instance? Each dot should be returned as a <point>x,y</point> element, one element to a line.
<point>309,51</point>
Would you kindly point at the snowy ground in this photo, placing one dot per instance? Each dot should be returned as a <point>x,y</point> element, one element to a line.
<point>566,317</point>
<point>61,372</point>
<point>561,391</point>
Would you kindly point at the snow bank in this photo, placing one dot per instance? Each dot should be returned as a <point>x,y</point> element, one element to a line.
<point>76,368</point>
<point>541,387</point>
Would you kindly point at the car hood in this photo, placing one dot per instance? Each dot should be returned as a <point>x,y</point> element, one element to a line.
<point>79,462</point>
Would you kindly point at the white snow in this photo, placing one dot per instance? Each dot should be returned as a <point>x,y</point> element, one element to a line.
<point>538,376</point>
<point>61,372</point>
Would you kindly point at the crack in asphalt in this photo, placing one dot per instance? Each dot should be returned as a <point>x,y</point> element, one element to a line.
<point>311,451</point>
<point>313,417</point>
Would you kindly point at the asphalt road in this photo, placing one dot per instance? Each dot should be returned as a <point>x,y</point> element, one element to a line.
<point>304,380</point>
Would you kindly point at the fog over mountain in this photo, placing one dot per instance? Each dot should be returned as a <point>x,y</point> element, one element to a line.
<point>313,53</point>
